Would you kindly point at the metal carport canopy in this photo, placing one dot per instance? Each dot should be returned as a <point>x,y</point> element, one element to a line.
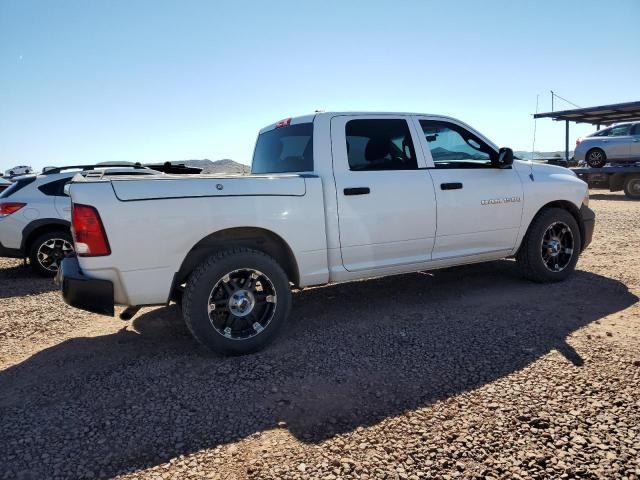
<point>600,115</point>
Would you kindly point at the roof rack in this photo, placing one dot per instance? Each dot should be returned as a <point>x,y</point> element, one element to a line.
<point>53,170</point>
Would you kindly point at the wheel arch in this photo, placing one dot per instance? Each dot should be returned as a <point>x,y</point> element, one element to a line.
<point>40,226</point>
<point>255,238</point>
<point>571,208</point>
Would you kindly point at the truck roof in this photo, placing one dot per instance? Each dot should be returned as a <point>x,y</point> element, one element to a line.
<point>311,117</point>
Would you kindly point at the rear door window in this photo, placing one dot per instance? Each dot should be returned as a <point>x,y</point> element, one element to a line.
<point>619,131</point>
<point>284,150</point>
<point>380,144</point>
<point>602,133</point>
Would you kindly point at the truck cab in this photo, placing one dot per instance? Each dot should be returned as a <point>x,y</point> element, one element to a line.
<point>408,188</point>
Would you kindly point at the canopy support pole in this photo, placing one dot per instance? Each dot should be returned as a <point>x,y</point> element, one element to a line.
<point>566,141</point>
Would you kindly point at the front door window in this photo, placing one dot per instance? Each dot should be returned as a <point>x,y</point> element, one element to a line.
<point>452,146</point>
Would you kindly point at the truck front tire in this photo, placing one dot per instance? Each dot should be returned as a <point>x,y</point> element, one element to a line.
<point>550,249</point>
<point>236,301</point>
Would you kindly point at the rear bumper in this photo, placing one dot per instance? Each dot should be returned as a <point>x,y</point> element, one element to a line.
<point>10,252</point>
<point>90,294</point>
<point>588,217</point>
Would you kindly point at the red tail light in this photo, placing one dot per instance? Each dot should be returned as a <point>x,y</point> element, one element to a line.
<point>8,208</point>
<point>578,140</point>
<point>88,232</point>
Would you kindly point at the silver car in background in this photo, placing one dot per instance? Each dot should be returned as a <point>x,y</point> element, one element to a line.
<point>619,143</point>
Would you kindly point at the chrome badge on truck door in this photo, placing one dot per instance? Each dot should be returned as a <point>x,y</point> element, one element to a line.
<point>495,201</point>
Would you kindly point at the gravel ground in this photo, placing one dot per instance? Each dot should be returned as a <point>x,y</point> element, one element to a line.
<point>464,373</point>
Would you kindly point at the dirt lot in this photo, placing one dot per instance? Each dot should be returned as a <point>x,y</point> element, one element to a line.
<point>465,373</point>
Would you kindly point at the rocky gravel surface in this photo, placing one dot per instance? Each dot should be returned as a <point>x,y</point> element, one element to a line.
<point>463,373</point>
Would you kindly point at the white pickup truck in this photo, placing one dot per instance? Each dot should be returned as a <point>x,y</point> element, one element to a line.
<point>332,197</point>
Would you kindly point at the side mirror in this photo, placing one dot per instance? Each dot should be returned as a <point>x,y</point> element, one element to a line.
<point>505,158</point>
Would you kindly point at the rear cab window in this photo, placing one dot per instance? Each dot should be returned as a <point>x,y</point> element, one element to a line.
<point>285,149</point>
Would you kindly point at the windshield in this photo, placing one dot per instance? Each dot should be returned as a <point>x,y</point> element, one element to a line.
<point>284,150</point>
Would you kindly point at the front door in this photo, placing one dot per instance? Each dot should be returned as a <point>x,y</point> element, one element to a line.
<point>386,203</point>
<point>479,205</point>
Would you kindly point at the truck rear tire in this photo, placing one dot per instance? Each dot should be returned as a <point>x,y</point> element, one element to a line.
<point>632,187</point>
<point>236,301</point>
<point>551,246</point>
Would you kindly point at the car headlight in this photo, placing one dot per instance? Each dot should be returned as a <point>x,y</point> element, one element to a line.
<point>585,200</point>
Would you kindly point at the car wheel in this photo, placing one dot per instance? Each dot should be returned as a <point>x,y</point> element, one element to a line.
<point>596,158</point>
<point>550,249</point>
<point>632,187</point>
<point>48,250</point>
<point>236,301</point>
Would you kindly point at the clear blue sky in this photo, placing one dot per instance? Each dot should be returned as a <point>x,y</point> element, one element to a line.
<point>155,80</point>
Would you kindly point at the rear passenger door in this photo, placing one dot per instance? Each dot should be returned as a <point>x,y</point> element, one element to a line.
<point>386,202</point>
<point>635,142</point>
<point>617,144</point>
<point>479,205</point>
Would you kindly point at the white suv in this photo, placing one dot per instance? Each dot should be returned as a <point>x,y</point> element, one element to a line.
<point>35,214</point>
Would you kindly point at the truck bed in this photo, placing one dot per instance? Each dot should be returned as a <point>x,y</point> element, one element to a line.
<point>153,223</point>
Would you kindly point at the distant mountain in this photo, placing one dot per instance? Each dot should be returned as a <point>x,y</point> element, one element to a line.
<point>440,153</point>
<point>534,155</point>
<point>218,166</point>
